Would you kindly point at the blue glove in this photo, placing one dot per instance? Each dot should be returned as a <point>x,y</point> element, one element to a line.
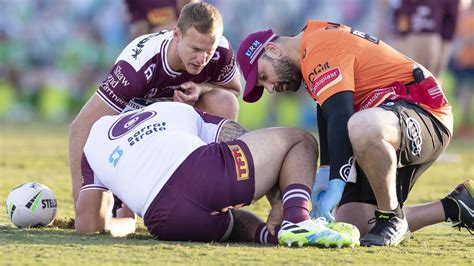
<point>319,188</point>
<point>328,201</point>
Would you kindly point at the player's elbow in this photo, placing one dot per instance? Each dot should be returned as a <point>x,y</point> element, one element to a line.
<point>86,225</point>
<point>74,127</point>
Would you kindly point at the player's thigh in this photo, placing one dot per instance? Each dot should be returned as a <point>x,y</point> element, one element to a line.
<point>269,147</point>
<point>356,213</point>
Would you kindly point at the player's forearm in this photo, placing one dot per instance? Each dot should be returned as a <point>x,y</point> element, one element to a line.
<point>274,196</point>
<point>207,87</point>
<point>77,138</point>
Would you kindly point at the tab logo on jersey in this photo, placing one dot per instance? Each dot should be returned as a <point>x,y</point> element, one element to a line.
<point>240,160</point>
<point>128,122</point>
<point>325,80</point>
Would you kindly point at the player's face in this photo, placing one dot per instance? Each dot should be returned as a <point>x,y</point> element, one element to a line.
<point>278,74</point>
<point>196,50</point>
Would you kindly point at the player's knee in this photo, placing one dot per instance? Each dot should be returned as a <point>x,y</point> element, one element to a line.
<point>221,103</point>
<point>305,137</point>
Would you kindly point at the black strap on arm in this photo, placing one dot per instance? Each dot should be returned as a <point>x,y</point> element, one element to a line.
<point>337,110</point>
<point>323,137</point>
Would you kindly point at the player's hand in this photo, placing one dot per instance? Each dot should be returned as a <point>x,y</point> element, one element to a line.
<point>320,185</point>
<point>125,212</point>
<point>275,217</point>
<point>329,199</point>
<point>188,93</point>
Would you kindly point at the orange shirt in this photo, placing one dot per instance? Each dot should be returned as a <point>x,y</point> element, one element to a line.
<point>336,58</point>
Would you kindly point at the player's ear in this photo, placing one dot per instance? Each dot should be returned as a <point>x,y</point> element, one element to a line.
<point>177,33</point>
<point>273,50</point>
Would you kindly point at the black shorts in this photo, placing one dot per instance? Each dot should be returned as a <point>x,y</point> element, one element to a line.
<point>423,139</point>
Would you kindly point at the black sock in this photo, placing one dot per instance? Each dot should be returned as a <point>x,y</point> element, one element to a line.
<point>451,210</point>
<point>399,212</point>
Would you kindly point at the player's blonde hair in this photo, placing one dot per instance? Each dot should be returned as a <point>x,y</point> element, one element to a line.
<point>204,17</point>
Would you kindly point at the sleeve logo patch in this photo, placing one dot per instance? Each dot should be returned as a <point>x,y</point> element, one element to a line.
<point>241,164</point>
<point>325,80</point>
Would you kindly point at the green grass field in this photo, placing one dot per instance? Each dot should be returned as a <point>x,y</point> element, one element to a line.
<point>39,153</point>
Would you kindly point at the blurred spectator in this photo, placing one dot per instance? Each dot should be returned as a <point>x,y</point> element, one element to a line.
<point>148,16</point>
<point>463,67</point>
<point>424,30</point>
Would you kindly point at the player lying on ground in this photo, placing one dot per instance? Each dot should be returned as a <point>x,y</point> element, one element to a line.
<point>164,163</point>
<point>376,107</point>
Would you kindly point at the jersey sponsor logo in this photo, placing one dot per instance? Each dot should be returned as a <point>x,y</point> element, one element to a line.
<point>115,156</point>
<point>146,131</point>
<point>128,122</point>
<point>227,70</point>
<point>345,170</point>
<point>115,78</point>
<point>317,69</point>
<point>139,47</point>
<point>376,97</point>
<point>414,136</point>
<point>326,80</point>
<point>241,163</point>
<point>149,72</point>
<point>363,35</point>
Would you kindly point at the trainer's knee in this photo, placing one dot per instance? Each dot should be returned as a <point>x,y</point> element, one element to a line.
<point>364,129</point>
<point>219,102</point>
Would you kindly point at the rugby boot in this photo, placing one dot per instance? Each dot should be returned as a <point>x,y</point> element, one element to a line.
<point>311,233</point>
<point>463,196</point>
<point>346,229</point>
<point>389,230</point>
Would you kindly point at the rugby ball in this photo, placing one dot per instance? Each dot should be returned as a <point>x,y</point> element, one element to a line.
<point>31,205</point>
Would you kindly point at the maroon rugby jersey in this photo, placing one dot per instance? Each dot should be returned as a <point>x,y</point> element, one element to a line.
<point>429,16</point>
<point>142,71</point>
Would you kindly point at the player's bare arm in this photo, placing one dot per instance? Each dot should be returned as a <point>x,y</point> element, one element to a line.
<point>231,130</point>
<point>233,85</point>
<point>275,217</point>
<point>93,215</point>
<point>78,133</point>
<point>190,91</point>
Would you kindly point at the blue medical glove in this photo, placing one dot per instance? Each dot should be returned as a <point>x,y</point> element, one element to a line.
<point>330,199</point>
<point>320,186</point>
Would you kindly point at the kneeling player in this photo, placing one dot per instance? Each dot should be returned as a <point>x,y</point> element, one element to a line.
<point>164,163</point>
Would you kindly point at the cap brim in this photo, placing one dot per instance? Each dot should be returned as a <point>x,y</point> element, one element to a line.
<point>252,93</point>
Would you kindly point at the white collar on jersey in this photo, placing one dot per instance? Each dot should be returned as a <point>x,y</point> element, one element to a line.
<point>164,58</point>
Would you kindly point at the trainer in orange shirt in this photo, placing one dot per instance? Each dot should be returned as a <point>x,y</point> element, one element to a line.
<point>376,107</point>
